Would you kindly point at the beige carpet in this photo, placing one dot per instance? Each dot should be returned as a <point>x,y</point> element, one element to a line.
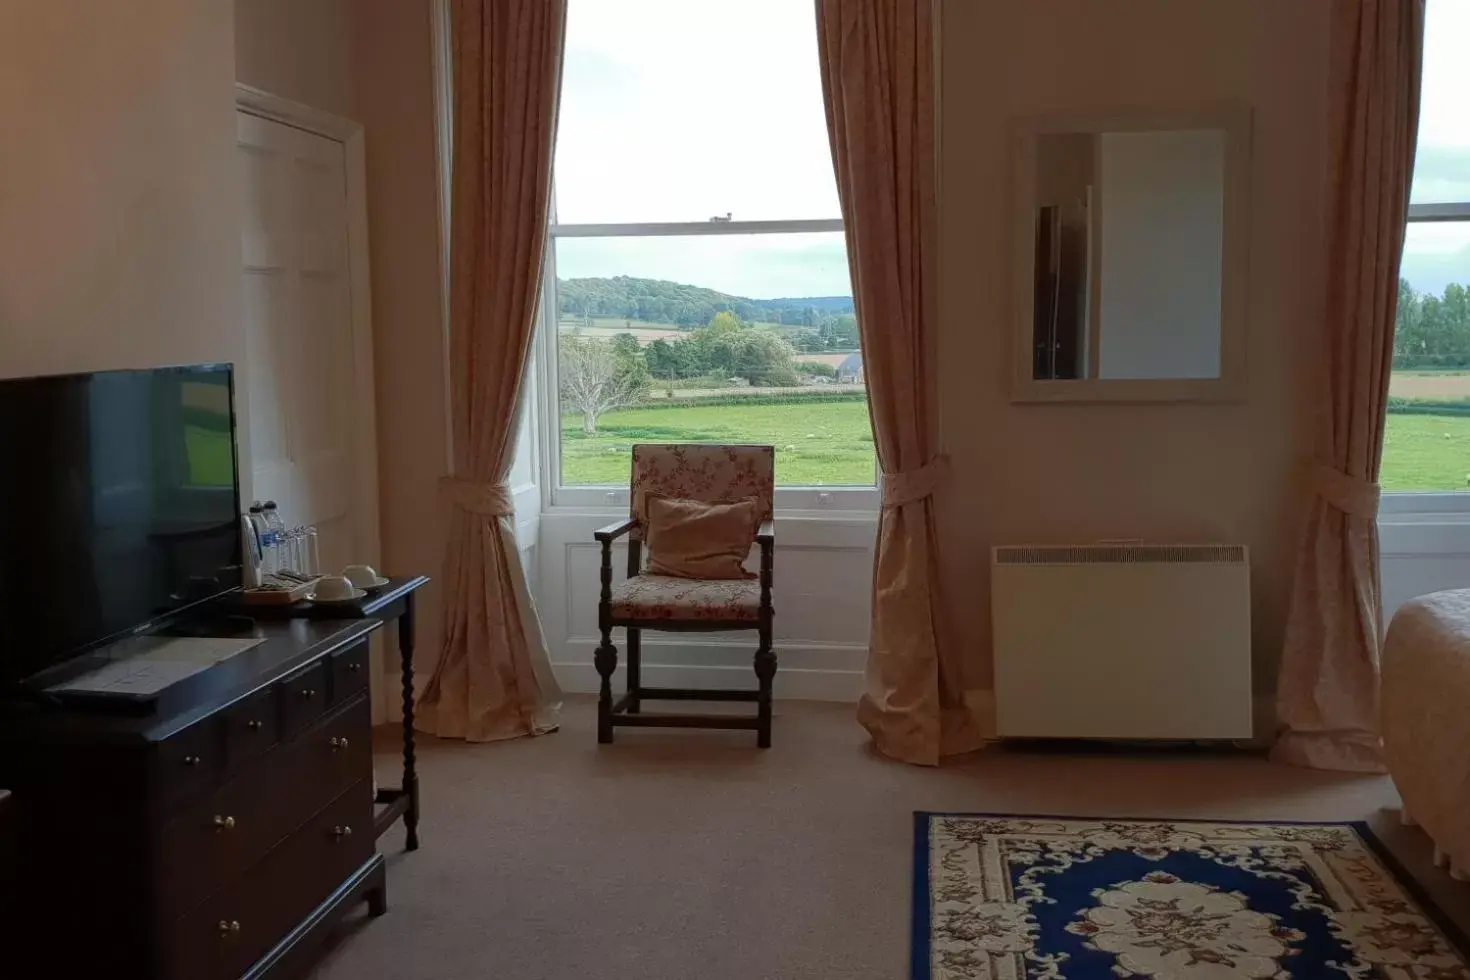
<point>693,855</point>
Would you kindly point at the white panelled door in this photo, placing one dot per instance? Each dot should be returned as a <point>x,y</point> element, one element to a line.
<point>306,394</point>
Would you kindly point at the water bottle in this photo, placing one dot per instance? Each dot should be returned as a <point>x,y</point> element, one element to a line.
<point>277,528</point>
<point>264,537</point>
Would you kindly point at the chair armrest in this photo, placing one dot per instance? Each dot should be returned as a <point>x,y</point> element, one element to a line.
<point>767,533</point>
<point>615,530</point>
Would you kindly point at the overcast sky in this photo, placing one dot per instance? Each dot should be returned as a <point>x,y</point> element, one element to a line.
<point>681,110</point>
<point>741,80</point>
<point>1438,254</point>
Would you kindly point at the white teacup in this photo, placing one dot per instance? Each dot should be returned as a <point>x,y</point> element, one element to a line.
<point>362,576</point>
<point>334,588</point>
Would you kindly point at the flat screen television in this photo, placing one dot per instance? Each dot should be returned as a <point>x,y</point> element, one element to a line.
<point>119,507</point>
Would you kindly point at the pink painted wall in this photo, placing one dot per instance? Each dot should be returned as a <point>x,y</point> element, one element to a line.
<point>119,224</point>
<point>396,105</point>
<point>1077,473</point>
<point>300,50</point>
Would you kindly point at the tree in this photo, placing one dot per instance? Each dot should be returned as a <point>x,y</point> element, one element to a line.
<point>761,357</point>
<point>1432,331</point>
<point>662,359</point>
<point>843,332</point>
<point>661,301</point>
<point>593,382</point>
<point>724,323</point>
<point>817,369</point>
<point>806,340</point>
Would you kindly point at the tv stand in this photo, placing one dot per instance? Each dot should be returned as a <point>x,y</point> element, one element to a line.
<point>218,838</point>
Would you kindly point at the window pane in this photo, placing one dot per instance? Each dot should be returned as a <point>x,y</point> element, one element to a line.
<point>713,339</point>
<point>682,110</point>
<point>1442,166</point>
<point>1427,441</point>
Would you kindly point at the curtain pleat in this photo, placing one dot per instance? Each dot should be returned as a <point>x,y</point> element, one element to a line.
<point>493,679</point>
<point>1328,687</point>
<point>877,61</point>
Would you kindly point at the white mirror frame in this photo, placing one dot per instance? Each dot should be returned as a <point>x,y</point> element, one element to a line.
<point>1234,273</point>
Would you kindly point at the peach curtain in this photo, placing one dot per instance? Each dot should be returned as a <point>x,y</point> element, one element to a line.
<point>1327,694</point>
<point>493,679</point>
<point>877,61</point>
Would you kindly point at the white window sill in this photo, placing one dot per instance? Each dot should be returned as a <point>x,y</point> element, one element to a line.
<point>1424,508</point>
<point>612,512</point>
<point>836,503</point>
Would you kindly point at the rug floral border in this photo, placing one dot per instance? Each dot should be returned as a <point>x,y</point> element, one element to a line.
<point>1006,918</point>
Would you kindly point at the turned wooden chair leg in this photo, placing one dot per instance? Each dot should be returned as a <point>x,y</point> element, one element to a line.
<point>765,672</point>
<point>634,674</point>
<point>606,660</point>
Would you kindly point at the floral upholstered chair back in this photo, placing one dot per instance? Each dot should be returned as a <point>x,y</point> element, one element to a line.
<point>711,474</point>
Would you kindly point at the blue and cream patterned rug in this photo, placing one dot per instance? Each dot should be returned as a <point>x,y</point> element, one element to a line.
<point>1042,898</point>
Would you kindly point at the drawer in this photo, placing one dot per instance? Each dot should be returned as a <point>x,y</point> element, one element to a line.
<point>349,670</point>
<point>251,727</point>
<point>303,697</point>
<point>221,836</point>
<point>232,930</point>
<point>189,762</point>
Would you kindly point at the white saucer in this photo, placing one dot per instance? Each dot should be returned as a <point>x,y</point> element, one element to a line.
<point>376,585</point>
<point>356,595</point>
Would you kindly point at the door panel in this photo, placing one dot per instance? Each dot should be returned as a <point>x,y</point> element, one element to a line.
<point>296,301</point>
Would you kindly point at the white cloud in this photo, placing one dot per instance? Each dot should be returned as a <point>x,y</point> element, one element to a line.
<point>675,110</point>
<point>680,110</point>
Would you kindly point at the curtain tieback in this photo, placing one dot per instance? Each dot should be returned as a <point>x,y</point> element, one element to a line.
<point>911,486</point>
<point>485,499</point>
<point>1352,495</point>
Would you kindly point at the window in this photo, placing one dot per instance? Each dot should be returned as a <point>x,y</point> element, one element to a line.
<point>1427,443</point>
<point>697,278</point>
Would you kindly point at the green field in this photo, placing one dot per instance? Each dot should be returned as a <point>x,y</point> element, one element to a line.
<point>1426,452</point>
<point>830,443</point>
<point>817,443</point>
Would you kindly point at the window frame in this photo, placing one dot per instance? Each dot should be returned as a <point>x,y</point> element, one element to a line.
<point>1452,504</point>
<point>793,501</point>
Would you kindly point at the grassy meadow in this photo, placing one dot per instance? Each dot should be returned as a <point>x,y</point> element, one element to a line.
<point>828,443</point>
<point>1424,450</point>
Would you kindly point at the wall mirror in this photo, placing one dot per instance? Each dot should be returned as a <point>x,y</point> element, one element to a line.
<point>1130,255</point>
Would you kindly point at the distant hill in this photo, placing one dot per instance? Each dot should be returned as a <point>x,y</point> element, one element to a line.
<point>829,304</point>
<point>661,301</point>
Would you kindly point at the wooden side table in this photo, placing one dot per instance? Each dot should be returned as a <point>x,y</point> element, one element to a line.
<point>394,601</point>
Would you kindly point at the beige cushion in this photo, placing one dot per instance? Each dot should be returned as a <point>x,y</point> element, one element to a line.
<point>663,597</point>
<point>693,539</point>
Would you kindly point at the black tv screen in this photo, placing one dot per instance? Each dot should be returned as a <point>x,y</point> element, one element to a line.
<point>119,507</point>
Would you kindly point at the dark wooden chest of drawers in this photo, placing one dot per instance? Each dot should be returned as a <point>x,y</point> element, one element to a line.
<point>218,841</point>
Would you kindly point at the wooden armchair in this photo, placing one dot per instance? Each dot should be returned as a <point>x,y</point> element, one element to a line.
<point>643,601</point>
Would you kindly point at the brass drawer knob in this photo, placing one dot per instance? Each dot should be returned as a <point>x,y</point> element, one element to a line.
<point>223,823</point>
<point>308,692</point>
<point>337,743</point>
<point>228,928</point>
<point>191,760</point>
<point>341,833</point>
<point>254,725</point>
